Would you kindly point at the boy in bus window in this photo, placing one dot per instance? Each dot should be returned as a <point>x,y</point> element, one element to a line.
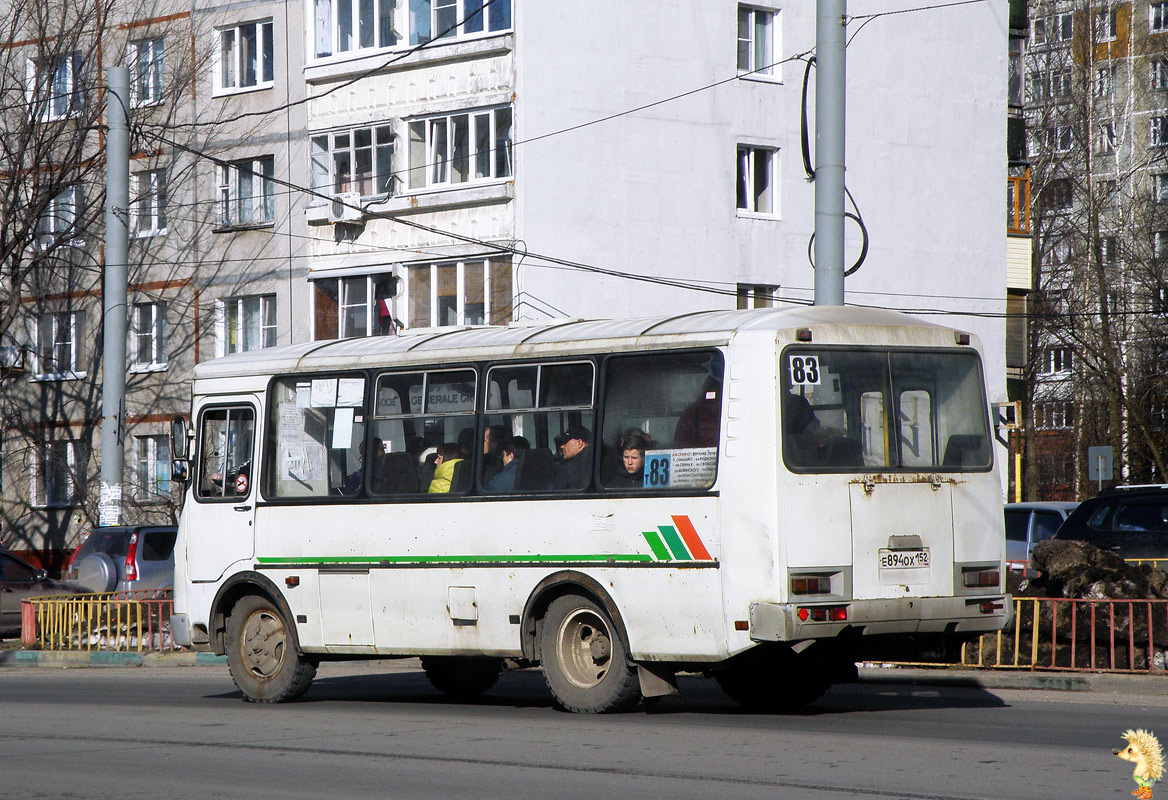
<point>631,474</point>
<point>574,471</point>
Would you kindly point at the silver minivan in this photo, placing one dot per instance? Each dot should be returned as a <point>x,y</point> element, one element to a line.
<point>1027,524</point>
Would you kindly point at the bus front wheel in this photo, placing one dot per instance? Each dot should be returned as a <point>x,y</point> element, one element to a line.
<point>261,654</point>
<point>462,677</point>
<point>584,660</point>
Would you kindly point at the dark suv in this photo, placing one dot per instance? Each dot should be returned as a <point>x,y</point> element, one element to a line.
<point>1131,521</point>
<point>124,558</point>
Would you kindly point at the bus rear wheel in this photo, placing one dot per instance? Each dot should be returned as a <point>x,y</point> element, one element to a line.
<point>462,677</point>
<point>584,660</point>
<point>772,678</point>
<point>261,654</point>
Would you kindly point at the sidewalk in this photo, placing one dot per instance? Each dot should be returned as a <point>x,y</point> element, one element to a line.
<point>956,677</point>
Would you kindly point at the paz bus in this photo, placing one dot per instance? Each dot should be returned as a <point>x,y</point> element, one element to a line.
<point>814,486</point>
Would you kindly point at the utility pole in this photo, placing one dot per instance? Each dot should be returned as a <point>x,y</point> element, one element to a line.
<point>830,75</point>
<point>117,246</point>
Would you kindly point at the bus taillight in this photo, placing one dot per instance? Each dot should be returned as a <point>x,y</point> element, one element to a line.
<point>810,584</point>
<point>823,613</point>
<point>975,577</point>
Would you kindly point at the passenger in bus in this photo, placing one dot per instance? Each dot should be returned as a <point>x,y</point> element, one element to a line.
<point>574,471</point>
<point>448,457</point>
<point>493,437</point>
<point>632,468</point>
<point>798,416</point>
<point>353,481</point>
<point>504,479</point>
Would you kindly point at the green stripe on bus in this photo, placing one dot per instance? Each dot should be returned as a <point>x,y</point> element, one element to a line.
<point>675,543</point>
<point>535,559</point>
<point>656,545</point>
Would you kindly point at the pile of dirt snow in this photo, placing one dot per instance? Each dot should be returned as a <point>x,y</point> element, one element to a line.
<point>1081,570</point>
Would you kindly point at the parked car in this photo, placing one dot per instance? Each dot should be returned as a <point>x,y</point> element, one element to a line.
<point>125,558</point>
<point>20,580</point>
<point>1027,524</point>
<point>1131,521</point>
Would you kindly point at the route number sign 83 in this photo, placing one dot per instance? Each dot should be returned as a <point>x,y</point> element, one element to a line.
<point>804,370</point>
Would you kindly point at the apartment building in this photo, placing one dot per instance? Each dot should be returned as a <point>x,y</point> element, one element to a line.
<point>351,167</point>
<point>1096,114</point>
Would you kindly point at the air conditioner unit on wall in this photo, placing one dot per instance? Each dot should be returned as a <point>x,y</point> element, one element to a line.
<point>346,207</point>
<point>12,357</point>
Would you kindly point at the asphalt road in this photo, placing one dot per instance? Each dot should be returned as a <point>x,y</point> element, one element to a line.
<point>364,732</point>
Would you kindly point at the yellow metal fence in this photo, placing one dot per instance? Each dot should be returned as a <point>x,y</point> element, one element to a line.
<point>113,621</point>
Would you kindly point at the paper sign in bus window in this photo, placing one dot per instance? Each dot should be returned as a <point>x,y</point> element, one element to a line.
<point>324,392</point>
<point>351,392</point>
<point>804,370</point>
<point>680,469</point>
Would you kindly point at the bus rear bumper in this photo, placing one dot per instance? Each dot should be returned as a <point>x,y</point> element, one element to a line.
<point>782,622</point>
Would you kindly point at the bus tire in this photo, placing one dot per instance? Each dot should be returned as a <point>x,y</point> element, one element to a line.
<point>462,676</point>
<point>584,659</point>
<point>261,654</point>
<point>772,678</point>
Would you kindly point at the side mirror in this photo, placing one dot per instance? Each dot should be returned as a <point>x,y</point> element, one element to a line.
<point>179,451</point>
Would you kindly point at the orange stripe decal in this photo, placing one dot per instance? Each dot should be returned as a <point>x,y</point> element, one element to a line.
<point>690,536</point>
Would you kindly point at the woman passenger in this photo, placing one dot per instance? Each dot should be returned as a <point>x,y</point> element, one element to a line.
<point>449,454</point>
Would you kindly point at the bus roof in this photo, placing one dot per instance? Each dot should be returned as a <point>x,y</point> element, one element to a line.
<point>564,337</point>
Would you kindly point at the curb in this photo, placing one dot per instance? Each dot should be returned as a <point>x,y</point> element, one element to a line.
<point>57,658</point>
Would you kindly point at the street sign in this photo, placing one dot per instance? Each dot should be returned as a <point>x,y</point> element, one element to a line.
<point>1099,463</point>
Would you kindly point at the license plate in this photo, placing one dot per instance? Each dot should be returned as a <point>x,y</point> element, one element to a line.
<point>904,559</point>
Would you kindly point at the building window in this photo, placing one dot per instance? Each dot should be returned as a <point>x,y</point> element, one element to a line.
<point>58,473</point>
<point>1054,415</point>
<point>1060,82</point>
<point>60,344</point>
<point>1157,17</point>
<point>756,295</point>
<point>1158,73</point>
<point>1107,251</point>
<point>148,327</point>
<point>473,292</point>
<point>358,160</point>
<point>146,71</point>
<point>460,148</point>
<point>1160,301</point>
<point>1058,195</point>
<point>455,19</point>
<point>1056,28</point>
<point>757,190</point>
<point>58,222</point>
<point>247,323</point>
<point>149,202</point>
<point>1159,134</point>
<point>345,25</point>
<point>55,90</point>
<point>756,40</point>
<point>1105,138</point>
<point>1056,359</point>
<point>1160,187</point>
<point>246,192</point>
<point>245,57</point>
<point>151,468</point>
<point>1104,82</point>
<point>1105,25</point>
<point>1160,245</point>
<point>361,305</point>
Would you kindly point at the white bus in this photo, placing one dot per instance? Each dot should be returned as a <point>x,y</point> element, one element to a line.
<point>762,496</point>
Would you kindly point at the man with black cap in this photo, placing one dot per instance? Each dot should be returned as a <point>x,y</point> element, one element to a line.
<point>574,471</point>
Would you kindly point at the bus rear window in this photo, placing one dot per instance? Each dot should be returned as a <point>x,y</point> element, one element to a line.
<point>861,410</point>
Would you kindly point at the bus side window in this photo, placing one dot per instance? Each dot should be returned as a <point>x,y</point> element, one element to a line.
<point>662,417</point>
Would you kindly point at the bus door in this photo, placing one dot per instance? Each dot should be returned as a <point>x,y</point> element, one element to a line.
<point>222,525</point>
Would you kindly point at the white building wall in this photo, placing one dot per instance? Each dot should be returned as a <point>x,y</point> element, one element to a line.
<point>653,192</point>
